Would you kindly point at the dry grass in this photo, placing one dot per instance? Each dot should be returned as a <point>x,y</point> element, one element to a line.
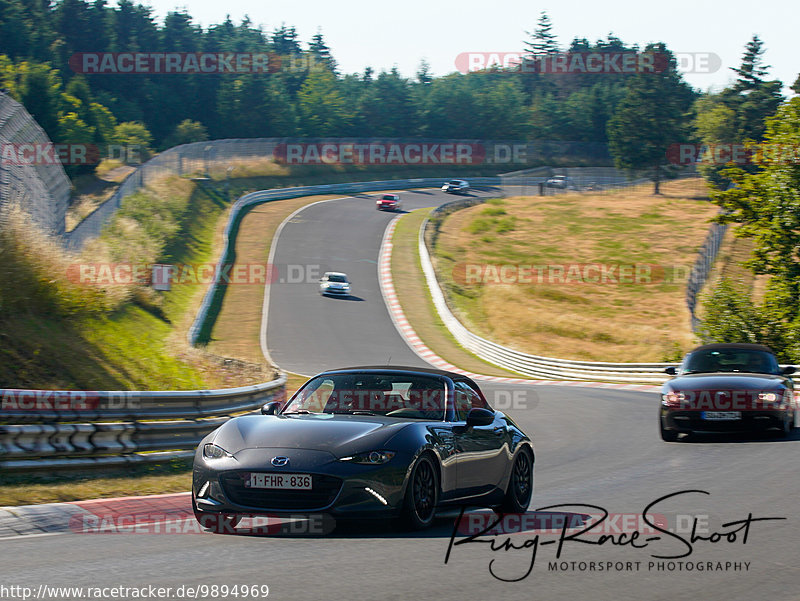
<point>580,320</point>
<point>414,296</point>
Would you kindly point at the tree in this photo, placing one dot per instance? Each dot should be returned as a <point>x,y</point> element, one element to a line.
<point>41,95</point>
<point>323,110</point>
<point>542,40</point>
<point>321,53</point>
<point>185,132</point>
<point>285,42</point>
<point>387,107</point>
<point>766,204</point>
<point>424,72</point>
<point>737,115</point>
<point>650,118</point>
<point>133,135</point>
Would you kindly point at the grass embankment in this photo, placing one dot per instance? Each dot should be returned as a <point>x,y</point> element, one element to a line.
<point>570,316</point>
<point>60,330</point>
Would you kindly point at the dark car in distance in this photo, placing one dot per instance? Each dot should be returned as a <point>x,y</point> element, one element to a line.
<point>366,442</point>
<point>727,388</point>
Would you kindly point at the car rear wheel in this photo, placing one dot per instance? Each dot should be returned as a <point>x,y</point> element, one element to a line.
<point>520,485</point>
<point>422,495</point>
<point>667,435</point>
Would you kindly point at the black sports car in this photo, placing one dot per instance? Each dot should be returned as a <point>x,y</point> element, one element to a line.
<point>366,442</point>
<point>727,388</point>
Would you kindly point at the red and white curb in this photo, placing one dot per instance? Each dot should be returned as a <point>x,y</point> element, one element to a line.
<point>152,514</point>
<point>421,349</point>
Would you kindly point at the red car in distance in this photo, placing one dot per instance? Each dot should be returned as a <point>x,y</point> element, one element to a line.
<point>388,202</point>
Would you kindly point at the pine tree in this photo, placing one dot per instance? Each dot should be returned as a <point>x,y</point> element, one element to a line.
<point>542,41</point>
<point>752,70</point>
<point>321,53</point>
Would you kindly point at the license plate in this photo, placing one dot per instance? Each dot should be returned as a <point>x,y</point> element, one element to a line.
<point>281,481</point>
<point>720,416</point>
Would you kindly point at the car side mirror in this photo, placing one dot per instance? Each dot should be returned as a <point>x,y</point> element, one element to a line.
<point>271,408</point>
<point>671,371</point>
<point>788,370</point>
<point>479,417</point>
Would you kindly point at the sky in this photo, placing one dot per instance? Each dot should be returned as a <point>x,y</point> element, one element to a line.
<point>401,34</point>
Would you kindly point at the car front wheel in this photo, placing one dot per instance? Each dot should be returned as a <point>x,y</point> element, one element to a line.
<point>667,435</point>
<point>422,495</point>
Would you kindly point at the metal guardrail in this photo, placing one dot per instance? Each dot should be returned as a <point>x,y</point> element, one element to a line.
<point>89,437</point>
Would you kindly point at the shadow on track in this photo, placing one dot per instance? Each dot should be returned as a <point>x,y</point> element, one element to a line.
<point>444,527</point>
<point>345,298</point>
<point>738,437</point>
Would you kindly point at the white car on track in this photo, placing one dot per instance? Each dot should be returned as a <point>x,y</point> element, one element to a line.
<point>334,283</point>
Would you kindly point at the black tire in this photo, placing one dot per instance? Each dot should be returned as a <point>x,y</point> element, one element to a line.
<point>667,435</point>
<point>788,426</point>
<point>422,495</point>
<point>520,485</point>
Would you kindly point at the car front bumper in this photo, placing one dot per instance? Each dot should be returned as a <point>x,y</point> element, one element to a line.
<point>750,421</point>
<point>339,488</point>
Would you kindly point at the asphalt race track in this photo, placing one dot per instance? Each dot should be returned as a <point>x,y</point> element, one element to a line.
<point>594,446</point>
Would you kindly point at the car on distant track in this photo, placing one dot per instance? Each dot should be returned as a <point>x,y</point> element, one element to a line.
<point>456,186</point>
<point>334,283</point>
<point>560,181</point>
<point>365,442</point>
<point>727,388</point>
<point>388,202</point>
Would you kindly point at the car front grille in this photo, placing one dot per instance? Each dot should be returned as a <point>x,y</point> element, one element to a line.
<point>323,492</point>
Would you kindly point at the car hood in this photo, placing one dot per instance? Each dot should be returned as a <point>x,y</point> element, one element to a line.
<point>726,381</point>
<point>336,434</point>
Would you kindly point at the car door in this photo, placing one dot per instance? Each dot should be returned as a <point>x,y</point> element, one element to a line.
<point>481,450</point>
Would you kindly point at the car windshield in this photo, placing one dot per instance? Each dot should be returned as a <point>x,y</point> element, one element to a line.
<point>731,360</point>
<point>337,278</point>
<point>389,197</point>
<point>411,396</point>
<point>455,182</point>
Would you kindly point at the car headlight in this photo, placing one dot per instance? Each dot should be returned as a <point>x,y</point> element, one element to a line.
<point>672,398</point>
<point>370,458</point>
<point>212,451</point>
